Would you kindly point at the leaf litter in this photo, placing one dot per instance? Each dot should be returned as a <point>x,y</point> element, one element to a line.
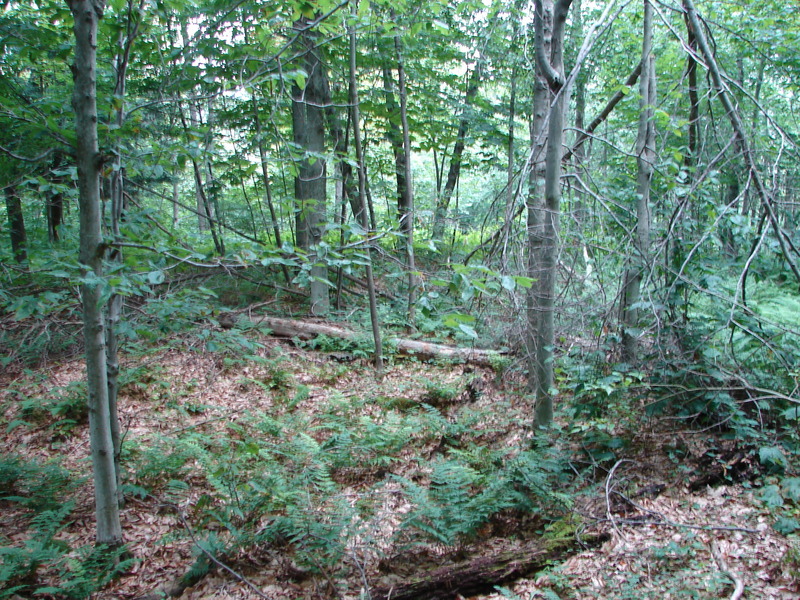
<point>660,547</point>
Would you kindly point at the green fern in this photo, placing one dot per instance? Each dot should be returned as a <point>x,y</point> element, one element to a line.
<point>19,565</point>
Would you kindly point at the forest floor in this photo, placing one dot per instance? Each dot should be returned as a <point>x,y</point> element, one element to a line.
<point>664,539</point>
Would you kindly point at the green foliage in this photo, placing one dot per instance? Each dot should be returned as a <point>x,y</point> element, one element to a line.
<point>437,393</point>
<point>460,498</point>
<point>285,478</point>
<point>601,389</point>
<point>78,574</point>
<point>358,347</point>
<point>20,564</point>
<point>40,486</point>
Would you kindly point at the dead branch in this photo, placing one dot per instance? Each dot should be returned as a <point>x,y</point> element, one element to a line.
<point>737,582</point>
<point>308,330</point>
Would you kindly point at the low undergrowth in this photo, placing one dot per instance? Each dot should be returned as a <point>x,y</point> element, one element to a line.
<point>288,465</point>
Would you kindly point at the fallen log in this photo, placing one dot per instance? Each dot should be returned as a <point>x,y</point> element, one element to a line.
<point>308,330</point>
<point>482,574</point>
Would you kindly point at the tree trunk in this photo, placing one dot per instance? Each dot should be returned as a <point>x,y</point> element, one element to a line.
<point>115,252</point>
<point>362,194</point>
<point>16,224</point>
<point>453,173</point>
<point>552,68</point>
<point>407,225</point>
<point>262,153</point>
<point>86,14</point>
<point>535,205</point>
<point>645,157</point>
<point>54,204</point>
<point>784,241</point>
<point>395,135</point>
<point>308,128</point>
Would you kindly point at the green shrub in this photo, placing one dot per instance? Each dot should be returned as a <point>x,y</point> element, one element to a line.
<point>40,486</point>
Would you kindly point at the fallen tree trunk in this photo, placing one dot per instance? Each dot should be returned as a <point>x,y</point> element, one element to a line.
<point>482,574</point>
<point>308,330</point>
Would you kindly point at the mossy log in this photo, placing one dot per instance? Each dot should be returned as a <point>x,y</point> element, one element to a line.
<point>309,330</point>
<point>481,575</point>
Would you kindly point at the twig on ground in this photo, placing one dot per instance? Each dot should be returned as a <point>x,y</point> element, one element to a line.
<point>213,558</point>
<point>737,582</point>
<point>608,497</point>
<point>206,422</point>
<point>662,521</point>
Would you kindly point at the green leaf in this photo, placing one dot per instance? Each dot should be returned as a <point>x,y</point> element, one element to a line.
<point>771,496</point>
<point>772,456</point>
<point>786,525</point>
<point>469,331</point>
<point>524,282</point>
<point>508,283</point>
<point>791,488</point>
<point>155,277</point>
<point>456,319</point>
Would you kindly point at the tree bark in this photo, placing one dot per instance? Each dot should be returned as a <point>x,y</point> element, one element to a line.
<point>362,194</point>
<point>535,202</point>
<point>395,135</point>
<point>86,14</point>
<point>308,126</point>
<point>453,173</point>
<point>308,330</point>
<point>54,204</point>
<point>16,224</point>
<point>552,68</point>
<point>481,575</point>
<point>407,223</point>
<point>645,157</point>
<point>117,198</point>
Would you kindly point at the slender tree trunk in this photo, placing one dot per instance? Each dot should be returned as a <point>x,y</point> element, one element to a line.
<point>86,14</point>
<point>788,249</point>
<point>536,210</point>
<point>16,224</point>
<point>211,187</point>
<point>508,213</point>
<point>117,198</point>
<point>362,193</point>
<point>176,180</point>
<point>395,135</point>
<point>54,204</point>
<point>453,173</point>
<point>645,157</point>
<point>552,67</point>
<point>580,155</point>
<point>407,225</point>
<point>262,153</point>
<point>310,194</point>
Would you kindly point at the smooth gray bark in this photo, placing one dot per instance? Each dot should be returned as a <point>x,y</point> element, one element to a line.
<point>535,203</point>
<point>362,194</point>
<point>308,126</point>
<point>408,218</point>
<point>86,14</point>
<point>552,68</point>
<point>645,157</point>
